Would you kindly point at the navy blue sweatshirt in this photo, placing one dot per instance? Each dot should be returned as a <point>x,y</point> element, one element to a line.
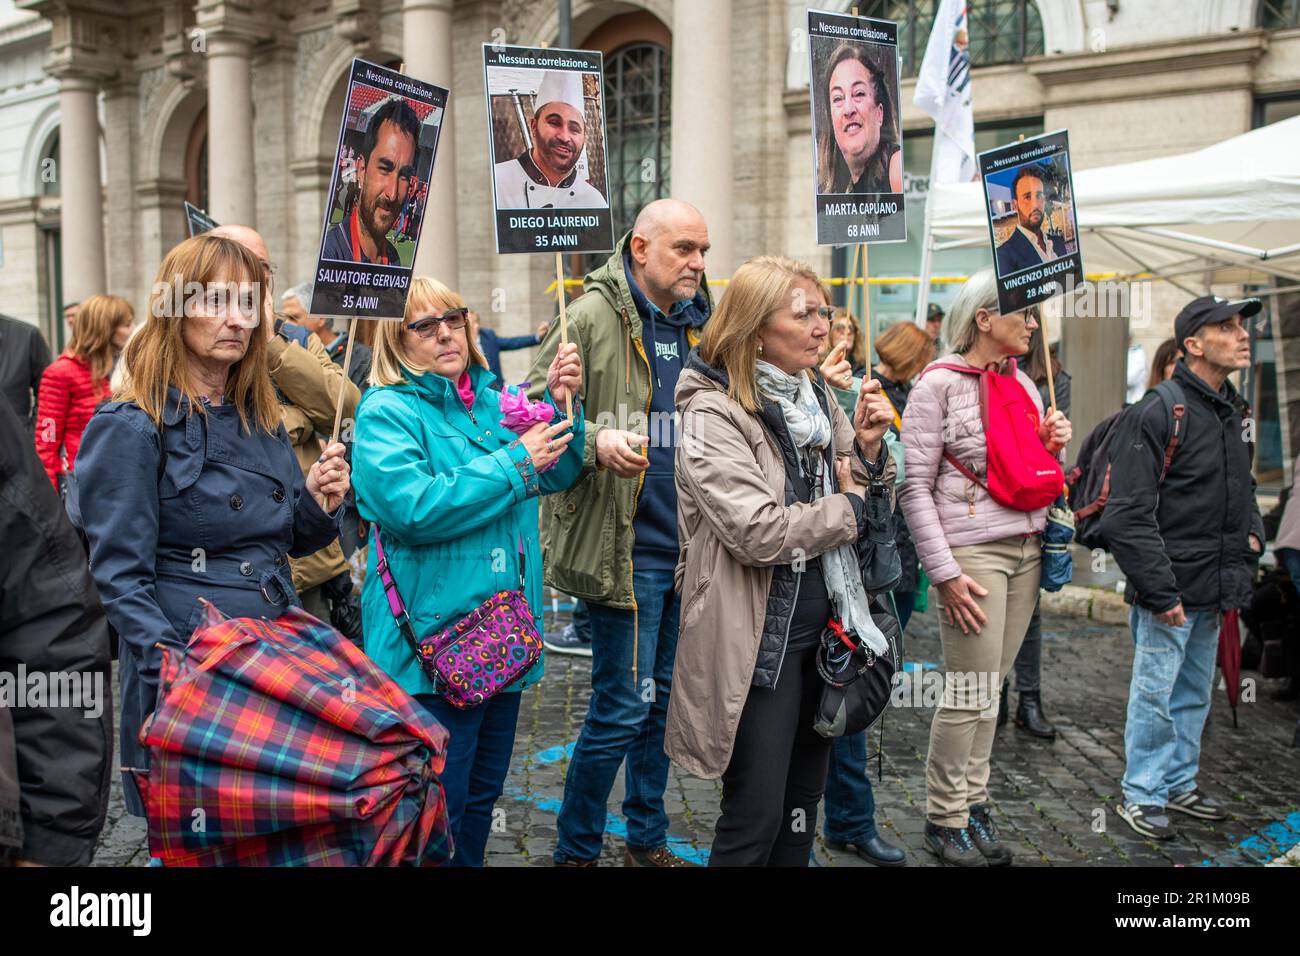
<point>654,525</point>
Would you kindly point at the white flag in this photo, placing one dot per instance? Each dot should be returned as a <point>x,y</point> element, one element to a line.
<point>943,91</point>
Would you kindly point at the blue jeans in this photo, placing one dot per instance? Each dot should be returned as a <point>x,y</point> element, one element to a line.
<point>478,757</point>
<point>625,723</point>
<point>1290,559</point>
<point>1168,701</point>
<point>850,801</point>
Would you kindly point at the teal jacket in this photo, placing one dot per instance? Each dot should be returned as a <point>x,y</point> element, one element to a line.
<point>454,495</point>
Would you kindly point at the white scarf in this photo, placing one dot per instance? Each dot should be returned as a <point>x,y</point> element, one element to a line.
<point>810,429</point>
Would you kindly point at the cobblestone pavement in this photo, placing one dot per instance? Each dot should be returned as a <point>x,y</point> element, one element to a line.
<point>1055,802</point>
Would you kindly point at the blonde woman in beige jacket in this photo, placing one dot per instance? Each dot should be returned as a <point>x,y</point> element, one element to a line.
<point>771,480</point>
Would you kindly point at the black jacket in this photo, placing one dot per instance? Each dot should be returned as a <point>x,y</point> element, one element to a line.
<point>1188,539</point>
<point>51,622</point>
<point>23,360</point>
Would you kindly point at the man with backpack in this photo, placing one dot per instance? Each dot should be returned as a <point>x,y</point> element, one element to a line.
<point>1182,521</point>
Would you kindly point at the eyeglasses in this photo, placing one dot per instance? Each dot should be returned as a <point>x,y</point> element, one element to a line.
<point>426,327</point>
<point>269,269</point>
<point>1030,314</point>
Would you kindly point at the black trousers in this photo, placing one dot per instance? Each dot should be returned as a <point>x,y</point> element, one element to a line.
<point>772,786</point>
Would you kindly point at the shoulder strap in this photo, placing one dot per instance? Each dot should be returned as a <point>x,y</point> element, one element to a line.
<point>952,460</point>
<point>1175,402</point>
<point>395,603</point>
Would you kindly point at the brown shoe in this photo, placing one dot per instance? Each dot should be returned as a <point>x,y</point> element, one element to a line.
<point>659,856</point>
<point>573,861</point>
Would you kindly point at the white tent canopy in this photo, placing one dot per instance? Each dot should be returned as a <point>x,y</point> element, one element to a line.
<point>1226,214</point>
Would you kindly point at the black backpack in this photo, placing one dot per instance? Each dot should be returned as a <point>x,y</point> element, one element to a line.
<point>1089,480</point>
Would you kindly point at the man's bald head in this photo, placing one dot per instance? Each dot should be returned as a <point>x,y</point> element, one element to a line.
<point>669,240</point>
<point>246,236</point>
<point>663,214</point>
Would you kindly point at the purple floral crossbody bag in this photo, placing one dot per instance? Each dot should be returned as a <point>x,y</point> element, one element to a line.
<point>479,656</point>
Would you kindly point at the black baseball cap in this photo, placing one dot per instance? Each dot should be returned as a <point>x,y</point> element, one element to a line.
<point>1210,310</point>
<point>934,312</point>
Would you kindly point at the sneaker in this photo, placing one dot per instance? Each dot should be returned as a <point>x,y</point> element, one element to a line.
<point>953,845</point>
<point>1196,804</point>
<point>985,834</point>
<point>1148,820</point>
<point>659,856</point>
<point>568,641</point>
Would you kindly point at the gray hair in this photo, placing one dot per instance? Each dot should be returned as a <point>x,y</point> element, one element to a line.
<point>959,328</point>
<point>300,292</point>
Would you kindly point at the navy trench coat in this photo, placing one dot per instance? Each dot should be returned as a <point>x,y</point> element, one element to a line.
<point>217,518</point>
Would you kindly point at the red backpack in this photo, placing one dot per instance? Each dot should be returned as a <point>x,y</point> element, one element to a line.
<point>1022,474</point>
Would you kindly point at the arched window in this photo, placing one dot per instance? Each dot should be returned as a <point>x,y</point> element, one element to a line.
<point>637,84</point>
<point>1277,14</point>
<point>1001,31</point>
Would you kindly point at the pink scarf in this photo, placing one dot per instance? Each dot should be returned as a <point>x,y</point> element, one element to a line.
<point>465,390</point>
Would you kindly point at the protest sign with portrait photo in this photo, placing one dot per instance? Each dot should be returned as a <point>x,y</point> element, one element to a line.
<point>547,148</point>
<point>856,131</point>
<point>197,220</point>
<point>1029,194</point>
<point>388,139</point>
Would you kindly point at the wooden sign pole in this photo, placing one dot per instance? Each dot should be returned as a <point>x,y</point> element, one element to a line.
<point>564,320</point>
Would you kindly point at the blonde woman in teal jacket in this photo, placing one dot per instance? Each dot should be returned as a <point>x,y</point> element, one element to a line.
<point>453,494</point>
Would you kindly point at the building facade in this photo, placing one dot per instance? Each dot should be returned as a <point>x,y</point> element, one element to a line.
<point>115,112</point>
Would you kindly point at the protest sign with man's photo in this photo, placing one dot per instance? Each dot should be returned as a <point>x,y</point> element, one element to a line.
<point>546,122</point>
<point>856,131</point>
<point>388,139</point>
<point>1030,198</point>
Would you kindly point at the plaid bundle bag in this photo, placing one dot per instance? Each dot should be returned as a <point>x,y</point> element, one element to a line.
<point>278,743</point>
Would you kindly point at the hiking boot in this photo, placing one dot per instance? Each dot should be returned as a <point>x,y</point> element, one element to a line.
<point>1148,820</point>
<point>574,861</point>
<point>873,849</point>
<point>985,834</point>
<point>1029,716</point>
<point>568,641</point>
<point>659,856</point>
<point>1002,706</point>
<point>1196,804</point>
<point>953,845</point>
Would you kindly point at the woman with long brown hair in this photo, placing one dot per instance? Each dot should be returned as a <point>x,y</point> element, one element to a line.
<point>188,484</point>
<point>77,381</point>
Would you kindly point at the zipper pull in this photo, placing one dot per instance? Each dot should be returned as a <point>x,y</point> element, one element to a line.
<point>970,500</point>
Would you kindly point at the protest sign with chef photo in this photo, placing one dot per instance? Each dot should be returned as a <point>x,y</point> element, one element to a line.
<point>546,121</point>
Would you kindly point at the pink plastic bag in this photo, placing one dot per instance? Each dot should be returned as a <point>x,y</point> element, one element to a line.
<point>519,414</point>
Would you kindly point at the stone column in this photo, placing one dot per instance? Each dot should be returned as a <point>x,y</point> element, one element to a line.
<point>231,183</point>
<point>427,50</point>
<point>81,193</point>
<point>701,122</point>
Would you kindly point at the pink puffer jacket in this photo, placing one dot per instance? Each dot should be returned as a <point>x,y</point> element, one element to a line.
<point>944,410</point>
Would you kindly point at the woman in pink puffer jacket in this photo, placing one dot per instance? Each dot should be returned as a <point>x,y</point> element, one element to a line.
<point>982,556</point>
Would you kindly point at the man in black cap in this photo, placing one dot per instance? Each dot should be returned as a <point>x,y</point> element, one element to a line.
<point>934,326</point>
<point>1183,524</point>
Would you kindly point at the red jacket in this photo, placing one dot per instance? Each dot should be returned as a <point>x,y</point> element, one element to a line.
<point>67,398</point>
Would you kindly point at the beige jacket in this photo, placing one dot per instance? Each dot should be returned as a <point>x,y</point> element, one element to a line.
<point>734,528</point>
<point>309,380</point>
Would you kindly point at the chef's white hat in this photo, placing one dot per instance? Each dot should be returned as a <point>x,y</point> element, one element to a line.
<point>560,86</point>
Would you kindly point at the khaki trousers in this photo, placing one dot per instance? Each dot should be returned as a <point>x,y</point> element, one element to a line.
<point>961,734</point>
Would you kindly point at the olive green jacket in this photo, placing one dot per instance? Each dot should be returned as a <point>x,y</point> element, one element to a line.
<point>587,531</point>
